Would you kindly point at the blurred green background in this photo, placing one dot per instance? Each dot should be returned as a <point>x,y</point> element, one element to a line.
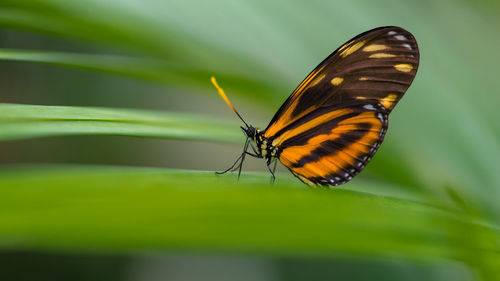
<point>110,132</point>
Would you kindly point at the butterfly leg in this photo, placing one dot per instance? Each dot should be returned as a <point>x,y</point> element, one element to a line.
<point>253,155</point>
<point>245,152</point>
<point>239,159</point>
<point>268,162</point>
<point>256,154</point>
<point>230,168</point>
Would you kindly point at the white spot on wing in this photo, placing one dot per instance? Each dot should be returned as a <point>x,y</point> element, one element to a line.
<point>406,46</point>
<point>400,37</point>
<point>392,32</point>
<point>380,116</point>
<point>369,107</point>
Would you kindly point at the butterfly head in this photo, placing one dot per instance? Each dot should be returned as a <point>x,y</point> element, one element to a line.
<point>250,131</point>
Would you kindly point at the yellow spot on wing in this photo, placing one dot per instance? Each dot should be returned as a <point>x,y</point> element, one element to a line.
<point>351,49</point>
<point>337,81</point>
<point>389,100</point>
<point>363,78</point>
<point>375,47</point>
<point>404,67</point>
<point>381,55</point>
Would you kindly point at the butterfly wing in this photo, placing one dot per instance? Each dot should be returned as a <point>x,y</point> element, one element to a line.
<point>332,145</point>
<point>333,123</point>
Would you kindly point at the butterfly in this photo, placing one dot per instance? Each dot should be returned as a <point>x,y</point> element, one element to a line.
<point>332,124</point>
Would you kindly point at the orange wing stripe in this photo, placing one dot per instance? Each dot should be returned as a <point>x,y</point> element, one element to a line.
<point>339,160</point>
<point>311,124</point>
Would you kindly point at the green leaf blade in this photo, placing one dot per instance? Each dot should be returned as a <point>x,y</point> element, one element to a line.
<point>28,121</point>
<point>136,209</point>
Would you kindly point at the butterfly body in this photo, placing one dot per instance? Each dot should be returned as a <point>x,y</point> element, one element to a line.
<point>261,144</point>
<point>333,123</point>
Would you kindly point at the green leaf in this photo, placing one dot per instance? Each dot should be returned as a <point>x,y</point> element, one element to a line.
<point>99,208</point>
<point>28,121</point>
<point>157,70</point>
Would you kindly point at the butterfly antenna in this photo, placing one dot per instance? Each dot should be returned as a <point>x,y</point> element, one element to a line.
<point>224,97</point>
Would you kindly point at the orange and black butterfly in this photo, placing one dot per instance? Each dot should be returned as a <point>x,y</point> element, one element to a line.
<point>334,122</point>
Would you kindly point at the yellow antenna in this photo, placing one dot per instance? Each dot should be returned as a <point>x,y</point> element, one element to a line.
<point>224,97</point>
